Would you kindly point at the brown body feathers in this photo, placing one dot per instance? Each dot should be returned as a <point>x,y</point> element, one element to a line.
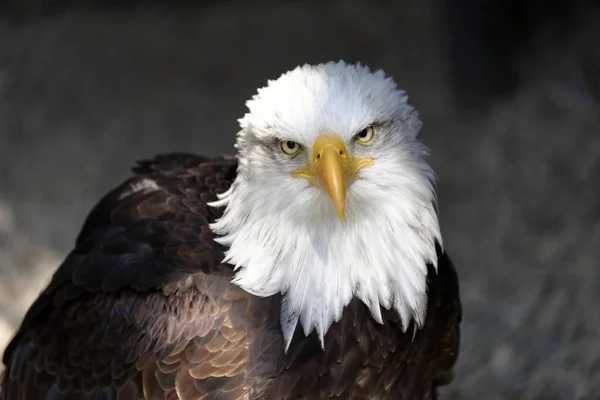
<point>143,308</point>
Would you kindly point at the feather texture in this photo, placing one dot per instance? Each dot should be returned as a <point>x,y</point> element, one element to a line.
<point>234,278</point>
<point>142,308</point>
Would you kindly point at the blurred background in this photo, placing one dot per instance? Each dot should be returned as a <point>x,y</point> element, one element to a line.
<point>509,92</point>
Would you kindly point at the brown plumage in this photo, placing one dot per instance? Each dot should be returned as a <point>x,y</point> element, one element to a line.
<point>143,308</point>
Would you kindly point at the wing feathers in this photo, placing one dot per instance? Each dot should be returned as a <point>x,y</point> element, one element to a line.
<point>143,290</point>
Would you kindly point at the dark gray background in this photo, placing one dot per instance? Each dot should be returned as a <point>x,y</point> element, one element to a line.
<point>514,138</point>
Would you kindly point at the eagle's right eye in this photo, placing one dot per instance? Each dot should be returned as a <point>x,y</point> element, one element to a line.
<point>289,147</point>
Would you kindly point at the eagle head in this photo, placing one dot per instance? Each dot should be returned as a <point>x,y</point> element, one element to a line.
<point>332,199</point>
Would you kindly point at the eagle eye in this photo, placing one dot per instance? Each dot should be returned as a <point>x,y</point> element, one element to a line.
<point>366,135</point>
<point>289,147</point>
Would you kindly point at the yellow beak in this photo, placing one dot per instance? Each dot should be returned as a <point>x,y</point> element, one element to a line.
<point>332,169</point>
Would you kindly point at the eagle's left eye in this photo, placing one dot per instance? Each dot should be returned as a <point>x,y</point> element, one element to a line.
<point>289,147</point>
<point>366,135</point>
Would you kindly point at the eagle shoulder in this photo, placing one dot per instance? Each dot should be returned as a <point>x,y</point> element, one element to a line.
<point>447,318</point>
<point>142,305</point>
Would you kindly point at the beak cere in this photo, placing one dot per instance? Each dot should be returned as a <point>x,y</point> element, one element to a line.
<point>333,170</point>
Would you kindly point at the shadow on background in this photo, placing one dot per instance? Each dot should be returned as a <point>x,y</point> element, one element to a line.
<point>508,92</point>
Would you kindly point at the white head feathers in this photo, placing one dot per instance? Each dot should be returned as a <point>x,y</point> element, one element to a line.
<point>284,234</point>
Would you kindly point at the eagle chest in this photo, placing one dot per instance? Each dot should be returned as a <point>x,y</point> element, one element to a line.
<point>361,359</point>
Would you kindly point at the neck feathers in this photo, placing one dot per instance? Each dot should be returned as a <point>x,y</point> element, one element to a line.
<point>295,245</point>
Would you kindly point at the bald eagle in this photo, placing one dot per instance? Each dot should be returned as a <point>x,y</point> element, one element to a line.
<point>309,266</point>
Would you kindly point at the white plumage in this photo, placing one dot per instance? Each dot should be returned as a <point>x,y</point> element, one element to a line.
<point>284,234</point>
